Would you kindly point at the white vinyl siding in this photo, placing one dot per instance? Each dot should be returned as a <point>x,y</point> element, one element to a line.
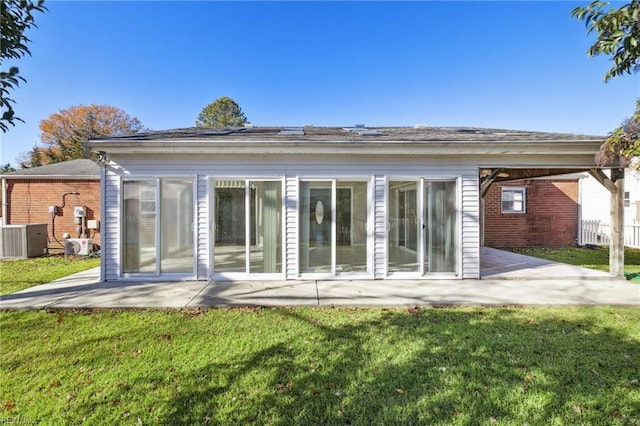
<point>203,229</point>
<point>294,168</point>
<point>380,227</point>
<point>470,224</point>
<point>291,227</point>
<point>111,226</point>
<point>595,198</point>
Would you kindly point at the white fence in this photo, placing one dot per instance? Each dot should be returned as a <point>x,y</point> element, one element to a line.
<point>598,233</point>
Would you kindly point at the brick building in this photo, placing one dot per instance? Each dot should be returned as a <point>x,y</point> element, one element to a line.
<point>532,212</point>
<point>29,194</point>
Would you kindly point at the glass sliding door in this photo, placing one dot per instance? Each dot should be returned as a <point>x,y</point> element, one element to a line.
<point>403,232</point>
<point>176,219</point>
<point>230,226</point>
<point>333,236</point>
<point>351,226</point>
<point>423,227</point>
<point>316,227</point>
<point>248,226</point>
<point>265,216</point>
<point>158,226</point>
<point>441,227</point>
<point>139,227</point>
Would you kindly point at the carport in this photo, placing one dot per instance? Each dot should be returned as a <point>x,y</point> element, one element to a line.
<point>614,183</point>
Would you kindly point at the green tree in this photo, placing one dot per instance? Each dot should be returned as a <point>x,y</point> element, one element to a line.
<point>623,143</point>
<point>224,112</point>
<point>16,18</point>
<point>618,34</point>
<point>7,168</point>
<point>64,132</point>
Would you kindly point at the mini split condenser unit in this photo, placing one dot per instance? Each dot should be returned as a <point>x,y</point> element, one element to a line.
<point>79,246</point>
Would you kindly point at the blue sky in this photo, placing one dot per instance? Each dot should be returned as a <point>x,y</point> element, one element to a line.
<point>514,65</point>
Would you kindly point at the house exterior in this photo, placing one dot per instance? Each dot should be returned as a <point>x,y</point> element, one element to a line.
<point>533,212</point>
<point>29,194</point>
<point>310,203</point>
<point>595,198</point>
<point>557,211</point>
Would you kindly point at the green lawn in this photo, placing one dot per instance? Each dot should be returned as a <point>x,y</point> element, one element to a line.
<point>596,258</point>
<point>17,275</point>
<point>323,366</point>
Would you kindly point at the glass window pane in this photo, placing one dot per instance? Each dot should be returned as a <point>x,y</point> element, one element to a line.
<point>266,227</point>
<point>351,226</point>
<point>176,221</point>
<point>403,227</point>
<point>441,227</point>
<point>139,227</point>
<point>513,200</point>
<point>315,227</point>
<point>229,247</point>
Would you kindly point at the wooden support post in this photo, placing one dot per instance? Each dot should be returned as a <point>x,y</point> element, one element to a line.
<point>616,247</point>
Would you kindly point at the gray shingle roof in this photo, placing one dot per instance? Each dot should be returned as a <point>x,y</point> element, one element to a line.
<point>348,134</point>
<point>76,169</point>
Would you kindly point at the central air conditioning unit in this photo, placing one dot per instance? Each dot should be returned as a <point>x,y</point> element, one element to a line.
<point>23,241</point>
<point>79,246</point>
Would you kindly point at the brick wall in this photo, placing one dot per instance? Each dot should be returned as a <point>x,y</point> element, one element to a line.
<point>28,201</point>
<point>551,219</point>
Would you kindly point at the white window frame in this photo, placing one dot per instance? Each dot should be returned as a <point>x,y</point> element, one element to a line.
<point>148,204</point>
<point>514,189</point>
<point>338,182</point>
<point>419,184</point>
<point>157,274</point>
<point>246,275</point>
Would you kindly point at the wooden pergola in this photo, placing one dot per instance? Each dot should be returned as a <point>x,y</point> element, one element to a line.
<point>613,183</point>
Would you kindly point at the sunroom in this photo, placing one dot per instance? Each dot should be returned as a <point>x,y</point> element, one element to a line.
<point>318,203</point>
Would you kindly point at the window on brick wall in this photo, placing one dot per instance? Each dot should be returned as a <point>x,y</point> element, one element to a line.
<point>148,201</point>
<point>514,200</point>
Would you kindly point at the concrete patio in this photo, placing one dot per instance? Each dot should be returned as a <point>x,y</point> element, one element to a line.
<point>508,279</point>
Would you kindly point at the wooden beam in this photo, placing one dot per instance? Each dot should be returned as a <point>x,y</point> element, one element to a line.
<point>488,181</point>
<point>616,247</point>
<point>604,180</point>
<point>519,173</point>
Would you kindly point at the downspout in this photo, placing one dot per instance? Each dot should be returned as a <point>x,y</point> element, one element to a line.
<point>4,201</point>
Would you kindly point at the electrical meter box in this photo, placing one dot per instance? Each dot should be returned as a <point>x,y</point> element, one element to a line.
<point>79,211</point>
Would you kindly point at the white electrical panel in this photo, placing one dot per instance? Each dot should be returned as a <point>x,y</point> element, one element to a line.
<point>93,224</point>
<point>79,211</point>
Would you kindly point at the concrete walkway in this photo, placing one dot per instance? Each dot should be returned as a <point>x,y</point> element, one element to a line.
<point>509,279</point>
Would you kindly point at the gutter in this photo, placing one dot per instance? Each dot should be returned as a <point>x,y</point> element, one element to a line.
<point>347,148</point>
<point>62,177</point>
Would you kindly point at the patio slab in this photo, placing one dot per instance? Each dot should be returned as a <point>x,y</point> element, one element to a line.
<point>501,264</point>
<point>509,279</point>
<point>257,293</point>
<point>500,292</point>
